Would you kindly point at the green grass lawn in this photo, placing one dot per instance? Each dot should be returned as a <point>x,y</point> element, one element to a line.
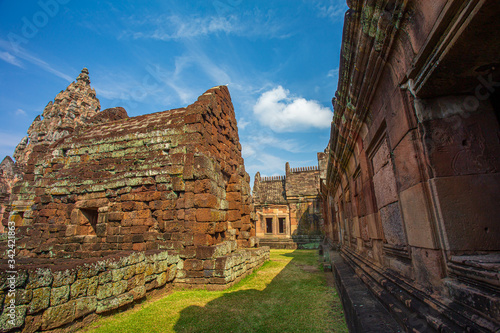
<point>287,294</point>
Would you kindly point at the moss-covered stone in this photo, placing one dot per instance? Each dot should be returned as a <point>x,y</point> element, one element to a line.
<point>59,295</point>
<point>84,306</point>
<point>92,287</point>
<point>63,278</point>
<point>79,288</point>
<point>111,289</point>
<point>13,317</point>
<point>41,277</point>
<point>112,303</point>
<point>58,315</point>
<point>40,300</point>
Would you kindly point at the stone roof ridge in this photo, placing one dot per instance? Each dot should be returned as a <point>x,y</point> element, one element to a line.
<point>272,178</point>
<point>304,169</point>
<point>7,161</point>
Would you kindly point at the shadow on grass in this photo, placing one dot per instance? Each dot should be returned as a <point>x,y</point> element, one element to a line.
<point>296,300</point>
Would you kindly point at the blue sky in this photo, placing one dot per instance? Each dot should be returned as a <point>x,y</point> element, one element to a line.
<point>279,59</point>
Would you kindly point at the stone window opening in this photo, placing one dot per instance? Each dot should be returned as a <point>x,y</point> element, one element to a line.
<point>220,236</point>
<point>18,218</point>
<point>269,225</point>
<point>281,225</point>
<point>90,216</point>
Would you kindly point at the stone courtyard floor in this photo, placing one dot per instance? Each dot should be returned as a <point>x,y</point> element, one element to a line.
<point>290,293</point>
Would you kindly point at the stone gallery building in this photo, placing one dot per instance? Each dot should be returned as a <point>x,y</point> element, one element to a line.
<point>289,208</point>
<point>111,207</point>
<point>412,189</point>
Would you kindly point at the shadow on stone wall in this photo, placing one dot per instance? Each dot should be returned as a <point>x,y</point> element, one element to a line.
<point>280,307</point>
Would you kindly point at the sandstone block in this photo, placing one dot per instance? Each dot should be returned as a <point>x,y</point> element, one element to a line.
<point>205,200</point>
<point>79,288</point>
<point>392,224</point>
<point>114,302</point>
<point>138,292</point>
<point>205,186</point>
<point>385,186</point>
<point>202,239</point>
<point>40,300</point>
<point>193,265</point>
<point>41,277</point>
<point>59,295</point>
<point>62,278</point>
<point>417,217</point>
<point>20,313</point>
<point>233,196</point>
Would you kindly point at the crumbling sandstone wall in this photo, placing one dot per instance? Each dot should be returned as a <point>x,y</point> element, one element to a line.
<point>51,293</point>
<point>54,292</point>
<point>171,180</point>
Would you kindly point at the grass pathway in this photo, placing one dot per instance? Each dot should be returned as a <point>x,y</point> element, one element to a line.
<point>287,294</point>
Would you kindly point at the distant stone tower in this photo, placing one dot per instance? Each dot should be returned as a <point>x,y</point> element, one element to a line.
<point>74,106</point>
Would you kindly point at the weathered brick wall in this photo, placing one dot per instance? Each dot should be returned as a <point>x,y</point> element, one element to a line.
<point>169,180</point>
<point>269,190</point>
<point>302,182</point>
<point>221,268</point>
<point>49,294</point>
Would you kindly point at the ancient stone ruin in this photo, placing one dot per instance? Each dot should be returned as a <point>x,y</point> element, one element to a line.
<point>9,176</point>
<point>111,207</point>
<point>289,208</point>
<point>72,107</point>
<point>413,185</point>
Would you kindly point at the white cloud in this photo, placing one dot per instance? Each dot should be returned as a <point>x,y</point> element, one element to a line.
<point>20,112</point>
<point>242,123</point>
<point>332,9</point>
<point>247,150</point>
<point>20,53</point>
<point>175,27</point>
<point>333,73</point>
<point>282,112</point>
<point>7,57</point>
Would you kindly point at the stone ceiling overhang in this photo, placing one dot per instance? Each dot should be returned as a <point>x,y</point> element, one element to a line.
<point>460,52</point>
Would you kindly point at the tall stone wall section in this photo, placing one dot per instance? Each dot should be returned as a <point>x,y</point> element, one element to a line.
<point>413,179</point>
